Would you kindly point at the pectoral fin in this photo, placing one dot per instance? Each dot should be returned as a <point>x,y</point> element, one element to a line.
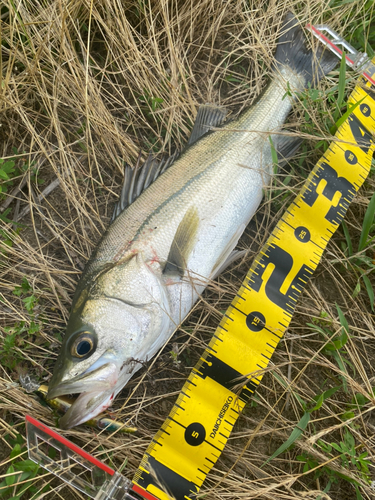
<point>183,243</point>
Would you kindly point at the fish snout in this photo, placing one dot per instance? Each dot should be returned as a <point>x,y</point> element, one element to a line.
<point>96,388</point>
<point>100,377</point>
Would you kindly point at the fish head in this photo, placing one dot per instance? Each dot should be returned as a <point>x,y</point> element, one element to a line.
<point>118,324</point>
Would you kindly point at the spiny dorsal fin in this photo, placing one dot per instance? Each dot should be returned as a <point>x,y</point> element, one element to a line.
<point>137,179</point>
<point>183,243</point>
<point>208,116</point>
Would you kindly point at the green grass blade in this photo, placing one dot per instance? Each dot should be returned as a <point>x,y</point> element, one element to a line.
<point>348,112</point>
<point>367,223</point>
<point>285,385</point>
<point>370,290</point>
<point>275,159</point>
<point>322,397</point>
<point>342,84</point>
<point>296,433</point>
<point>341,365</point>
<point>358,493</point>
<point>342,319</point>
<point>347,237</point>
<point>16,12</point>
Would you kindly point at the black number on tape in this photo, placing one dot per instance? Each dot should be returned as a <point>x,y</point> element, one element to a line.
<point>283,263</point>
<point>335,184</point>
<point>255,321</point>
<point>195,434</point>
<point>365,109</point>
<point>361,135</point>
<point>350,157</point>
<point>302,234</point>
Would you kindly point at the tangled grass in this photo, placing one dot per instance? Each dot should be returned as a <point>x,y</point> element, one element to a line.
<point>84,86</point>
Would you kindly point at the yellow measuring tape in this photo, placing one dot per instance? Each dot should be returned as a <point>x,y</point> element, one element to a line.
<point>194,434</point>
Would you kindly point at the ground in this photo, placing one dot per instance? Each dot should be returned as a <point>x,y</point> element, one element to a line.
<point>84,87</point>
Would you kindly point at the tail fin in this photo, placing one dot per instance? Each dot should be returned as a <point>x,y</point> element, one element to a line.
<point>292,51</point>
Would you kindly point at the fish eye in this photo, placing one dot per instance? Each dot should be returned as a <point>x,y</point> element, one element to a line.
<point>82,346</point>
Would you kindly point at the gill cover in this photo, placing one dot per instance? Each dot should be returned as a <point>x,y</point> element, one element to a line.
<point>122,317</point>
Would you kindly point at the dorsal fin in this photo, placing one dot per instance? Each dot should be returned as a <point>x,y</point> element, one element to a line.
<point>208,116</point>
<point>183,243</point>
<point>137,179</point>
<point>286,146</point>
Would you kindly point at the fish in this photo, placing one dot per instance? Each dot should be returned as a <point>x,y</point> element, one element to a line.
<point>174,229</point>
<point>63,403</point>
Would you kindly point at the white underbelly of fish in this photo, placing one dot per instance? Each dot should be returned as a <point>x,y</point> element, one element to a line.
<point>225,219</point>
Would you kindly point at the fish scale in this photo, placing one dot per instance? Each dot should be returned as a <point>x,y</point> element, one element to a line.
<point>192,438</point>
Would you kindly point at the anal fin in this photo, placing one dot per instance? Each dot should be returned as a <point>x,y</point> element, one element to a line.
<point>232,257</point>
<point>228,255</point>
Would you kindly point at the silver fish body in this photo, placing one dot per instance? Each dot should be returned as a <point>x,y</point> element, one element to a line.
<point>158,255</point>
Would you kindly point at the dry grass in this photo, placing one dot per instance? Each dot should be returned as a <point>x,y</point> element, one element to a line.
<point>77,97</point>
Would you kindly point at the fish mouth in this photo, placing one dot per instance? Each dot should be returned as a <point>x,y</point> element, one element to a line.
<point>96,388</point>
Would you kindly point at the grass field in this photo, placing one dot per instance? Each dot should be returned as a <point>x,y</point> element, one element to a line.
<point>84,87</point>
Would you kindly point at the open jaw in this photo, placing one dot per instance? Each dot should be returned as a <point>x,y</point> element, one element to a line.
<point>96,388</point>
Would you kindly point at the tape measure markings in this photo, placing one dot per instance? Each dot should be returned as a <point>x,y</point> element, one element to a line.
<point>194,434</point>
